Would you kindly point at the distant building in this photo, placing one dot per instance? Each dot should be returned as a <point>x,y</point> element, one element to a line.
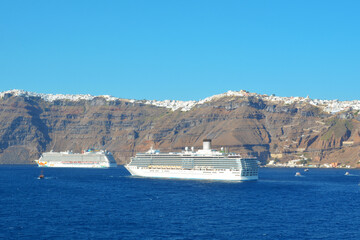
<point>276,155</point>
<point>293,163</point>
<point>334,164</point>
<point>347,143</point>
<point>272,162</point>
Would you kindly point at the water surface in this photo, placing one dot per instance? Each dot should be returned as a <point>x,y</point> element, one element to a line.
<point>108,203</point>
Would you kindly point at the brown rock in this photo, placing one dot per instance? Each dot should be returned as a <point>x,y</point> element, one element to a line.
<point>250,126</point>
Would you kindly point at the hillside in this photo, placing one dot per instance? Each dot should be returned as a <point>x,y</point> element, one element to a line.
<point>265,126</point>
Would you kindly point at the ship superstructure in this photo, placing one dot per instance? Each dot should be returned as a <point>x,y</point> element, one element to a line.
<point>189,164</point>
<point>88,159</point>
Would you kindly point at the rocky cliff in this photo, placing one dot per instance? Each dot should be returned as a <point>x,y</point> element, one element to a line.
<point>264,126</point>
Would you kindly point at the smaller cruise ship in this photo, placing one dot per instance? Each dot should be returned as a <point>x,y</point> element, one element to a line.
<point>189,164</point>
<point>88,159</point>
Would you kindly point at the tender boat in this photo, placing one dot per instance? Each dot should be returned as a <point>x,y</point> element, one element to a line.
<point>41,176</point>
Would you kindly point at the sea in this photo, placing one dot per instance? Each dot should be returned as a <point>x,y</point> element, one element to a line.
<point>110,204</point>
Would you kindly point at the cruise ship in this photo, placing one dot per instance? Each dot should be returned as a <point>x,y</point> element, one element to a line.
<point>206,164</point>
<point>88,159</point>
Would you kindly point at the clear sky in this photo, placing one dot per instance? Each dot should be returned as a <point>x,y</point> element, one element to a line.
<point>181,49</point>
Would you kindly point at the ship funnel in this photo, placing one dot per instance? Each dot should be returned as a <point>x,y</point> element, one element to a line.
<point>207,144</point>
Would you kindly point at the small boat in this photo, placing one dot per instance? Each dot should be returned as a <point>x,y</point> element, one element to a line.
<point>41,176</point>
<point>347,173</point>
<point>297,174</point>
<point>305,170</point>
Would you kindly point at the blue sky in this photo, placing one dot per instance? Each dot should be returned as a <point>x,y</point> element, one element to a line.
<point>184,50</point>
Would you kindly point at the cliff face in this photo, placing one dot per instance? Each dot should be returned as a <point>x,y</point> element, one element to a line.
<point>30,125</point>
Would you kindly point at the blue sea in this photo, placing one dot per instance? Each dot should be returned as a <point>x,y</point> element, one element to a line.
<point>111,204</point>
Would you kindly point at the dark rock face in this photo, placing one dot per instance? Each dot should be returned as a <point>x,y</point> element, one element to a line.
<point>250,126</point>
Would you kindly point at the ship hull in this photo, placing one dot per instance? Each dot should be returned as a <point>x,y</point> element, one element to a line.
<point>226,175</point>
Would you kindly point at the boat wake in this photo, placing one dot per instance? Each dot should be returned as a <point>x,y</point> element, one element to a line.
<point>45,178</point>
<point>352,175</point>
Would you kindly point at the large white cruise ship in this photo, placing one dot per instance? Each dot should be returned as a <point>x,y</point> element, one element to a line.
<point>88,159</point>
<point>203,164</point>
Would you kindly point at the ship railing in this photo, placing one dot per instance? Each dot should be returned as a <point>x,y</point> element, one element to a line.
<point>163,167</point>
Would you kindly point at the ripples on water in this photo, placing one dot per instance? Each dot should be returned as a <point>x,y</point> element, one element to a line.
<point>108,203</point>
